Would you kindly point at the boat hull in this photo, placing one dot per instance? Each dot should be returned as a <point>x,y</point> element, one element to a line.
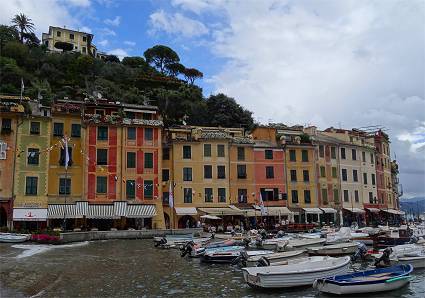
<point>252,261</point>
<point>333,250</point>
<point>361,289</point>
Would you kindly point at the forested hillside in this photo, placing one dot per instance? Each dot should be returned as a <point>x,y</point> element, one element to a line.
<point>158,78</point>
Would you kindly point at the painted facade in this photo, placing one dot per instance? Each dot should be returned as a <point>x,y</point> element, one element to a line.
<point>81,42</point>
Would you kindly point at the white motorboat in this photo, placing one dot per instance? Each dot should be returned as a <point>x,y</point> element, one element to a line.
<point>175,242</point>
<point>14,238</point>
<point>302,273</point>
<point>297,244</point>
<point>347,248</point>
<point>274,243</point>
<point>252,261</point>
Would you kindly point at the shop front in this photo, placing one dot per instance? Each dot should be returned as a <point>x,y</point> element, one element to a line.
<point>353,215</point>
<point>29,219</point>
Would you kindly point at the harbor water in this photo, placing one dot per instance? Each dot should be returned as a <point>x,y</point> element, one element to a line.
<point>133,268</point>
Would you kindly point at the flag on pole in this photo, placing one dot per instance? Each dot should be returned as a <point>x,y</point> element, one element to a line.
<point>263,210</point>
<point>22,87</point>
<point>65,141</point>
<point>171,196</point>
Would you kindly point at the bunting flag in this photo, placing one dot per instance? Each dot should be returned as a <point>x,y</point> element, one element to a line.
<point>65,141</point>
<point>171,196</point>
<point>263,210</point>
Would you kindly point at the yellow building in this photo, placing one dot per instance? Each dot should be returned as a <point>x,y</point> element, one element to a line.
<point>77,41</point>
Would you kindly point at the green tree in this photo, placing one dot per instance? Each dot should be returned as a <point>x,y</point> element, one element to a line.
<point>161,57</point>
<point>191,74</point>
<point>17,51</point>
<point>7,33</point>
<point>112,58</point>
<point>24,24</point>
<point>174,69</point>
<point>134,62</point>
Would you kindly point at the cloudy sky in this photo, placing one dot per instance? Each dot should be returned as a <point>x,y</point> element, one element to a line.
<point>328,63</point>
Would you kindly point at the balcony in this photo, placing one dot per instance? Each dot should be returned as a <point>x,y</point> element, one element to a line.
<point>118,120</point>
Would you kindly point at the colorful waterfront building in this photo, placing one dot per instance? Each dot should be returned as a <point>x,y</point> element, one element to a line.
<point>12,110</point>
<point>31,178</point>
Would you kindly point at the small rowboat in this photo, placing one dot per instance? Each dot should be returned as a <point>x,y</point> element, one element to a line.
<point>334,249</point>
<point>226,254</point>
<point>252,261</point>
<point>370,281</point>
<point>296,244</point>
<point>14,238</point>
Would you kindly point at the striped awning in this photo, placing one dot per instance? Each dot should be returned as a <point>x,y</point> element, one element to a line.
<point>313,210</point>
<point>393,211</point>
<point>55,211</point>
<point>82,208</point>
<point>101,211</point>
<point>140,211</point>
<point>222,211</point>
<point>186,211</point>
<point>329,210</point>
<point>355,210</point>
<point>120,208</point>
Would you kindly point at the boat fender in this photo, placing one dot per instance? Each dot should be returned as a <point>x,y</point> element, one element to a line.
<point>263,262</point>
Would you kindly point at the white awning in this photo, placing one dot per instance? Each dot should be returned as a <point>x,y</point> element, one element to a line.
<point>120,208</point>
<point>186,211</point>
<point>82,208</point>
<point>55,211</point>
<point>355,210</point>
<point>374,210</point>
<point>140,211</point>
<point>393,211</point>
<point>222,211</point>
<point>313,210</point>
<point>210,217</point>
<point>101,212</point>
<point>29,214</point>
<point>329,210</point>
<point>276,211</point>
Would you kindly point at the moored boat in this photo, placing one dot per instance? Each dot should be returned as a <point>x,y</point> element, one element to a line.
<point>296,244</point>
<point>252,261</point>
<point>347,248</point>
<point>222,254</point>
<point>14,238</point>
<point>369,281</point>
<point>295,274</point>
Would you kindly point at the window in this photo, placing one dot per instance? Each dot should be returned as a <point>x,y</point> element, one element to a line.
<point>31,186</point>
<point>343,153</point>
<point>356,196</point>
<point>355,176</point>
<point>242,195</point>
<point>241,171</point>
<point>75,130</point>
<point>102,133</point>
<point>345,195</point>
<point>101,184</point>
<point>165,174</point>
<point>207,150</point>
<point>165,197</point>
<point>35,128</point>
<point>336,196</point>
<point>304,155</point>
<point>293,175</point>
<point>241,153</point>
<point>292,155</point>
<point>58,129</point>
<point>306,176</point>
<point>102,157</point>
<point>58,34</point>
<point>334,174</point>
<point>84,50</point>
<point>208,195</point>
<point>344,174</point>
<point>321,151</point>
<point>364,178</point>
<point>64,186</point>
<point>187,152</point>
<point>294,195</point>
<point>187,195</point>
<point>131,133</point>
<point>207,172</point>
<point>166,153</point>
<point>370,197</point>
<point>322,171</point>
<point>131,160</point>
<point>373,179</point>
<point>220,150</point>
<point>3,149</point>
<point>371,158</point>
<point>148,189</point>
<point>187,174</point>
<point>270,172</point>
<point>147,116</point>
<point>221,172</point>
<point>130,115</point>
<point>324,196</point>
<point>307,196</point>
<point>62,158</point>
<point>6,125</point>
<point>353,154</point>
<point>148,134</point>
<point>100,112</point>
<point>71,36</point>
<point>130,189</point>
<point>268,154</point>
<point>221,195</point>
<point>363,156</point>
<point>33,156</point>
<point>333,152</point>
<point>84,38</point>
<point>148,160</point>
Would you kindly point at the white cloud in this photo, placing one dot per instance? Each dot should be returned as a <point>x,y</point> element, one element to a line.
<point>85,29</point>
<point>120,53</point>
<point>197,6</point>
<point>103,42</point>
<point>82,3</point>
<point>176,24</point>
<point>130,43</point>
<point>113,22</point>
<point>107,31</point>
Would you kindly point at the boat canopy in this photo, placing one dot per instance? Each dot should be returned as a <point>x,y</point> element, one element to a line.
<point>373,210</point>
<point>393,211</point>
<point>222,211</point>
<point>355,210</point>
<point>329,210</point>
<point>313,210</point>
<point>186,210</point>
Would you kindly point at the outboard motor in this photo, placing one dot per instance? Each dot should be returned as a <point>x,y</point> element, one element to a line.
<point>385,258</point>
<point>259,241</point>
<point>280,234</point>
<point>263,234</point>
<point>360,253</point>
<point>212,235</point>
<point>414,239</point>
<point>187,249</point>
<point>263,262</point>
<point>239,259</point>
<point>246,241</point>
<point>161,242</point>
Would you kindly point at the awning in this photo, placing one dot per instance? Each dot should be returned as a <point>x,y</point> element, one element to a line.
<point>329,210</point>
<point>82,208</point>
<point>186,211</point>
<point>29,214</point>
<point>373,210</point>
<point>276,211</point>
<point>313,210</point>
<point>55,211</point>
<point>355,210</point>
<point>393,211</point>
<point>101,212</point>
<point>120,208</point>
<point>140,211</point>
<point>222,211</point>
<point>210,217</point>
